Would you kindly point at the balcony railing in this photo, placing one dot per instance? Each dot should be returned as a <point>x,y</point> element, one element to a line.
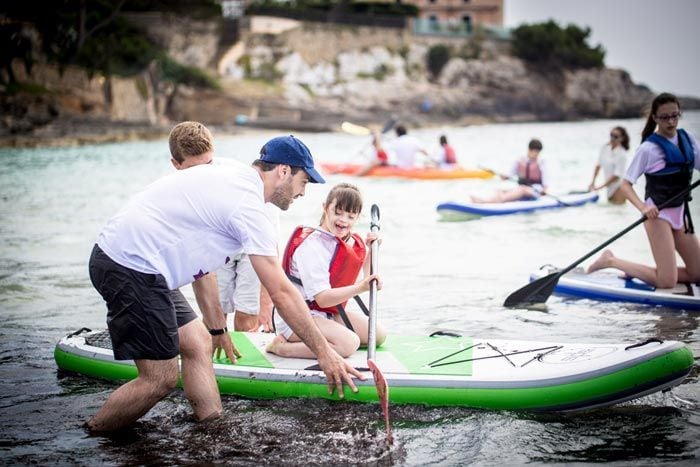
<point>399,22</point>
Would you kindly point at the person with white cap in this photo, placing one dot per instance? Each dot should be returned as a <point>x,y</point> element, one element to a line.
<point>175,232</point>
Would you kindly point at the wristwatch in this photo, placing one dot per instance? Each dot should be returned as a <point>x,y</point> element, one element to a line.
<point>217,332</point>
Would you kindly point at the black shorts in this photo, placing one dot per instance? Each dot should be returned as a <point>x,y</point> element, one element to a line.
<point>143,314</point>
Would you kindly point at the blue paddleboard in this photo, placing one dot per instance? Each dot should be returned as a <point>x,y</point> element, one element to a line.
<point>466,211</point>
<point>609,285</point>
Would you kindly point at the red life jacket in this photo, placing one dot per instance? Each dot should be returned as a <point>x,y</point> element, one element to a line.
<point>344,268</point>
<point>529,172</point>
<point>450,155</point>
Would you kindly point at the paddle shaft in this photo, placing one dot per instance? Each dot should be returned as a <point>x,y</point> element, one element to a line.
<point>623,232</point>
<point>386,128</point>
<point>515,179</point>
<point>539,290</point>
<point>373,269</point>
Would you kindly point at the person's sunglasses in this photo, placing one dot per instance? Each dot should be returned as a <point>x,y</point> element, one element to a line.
<point>614,136</point>
<point>667,117</point>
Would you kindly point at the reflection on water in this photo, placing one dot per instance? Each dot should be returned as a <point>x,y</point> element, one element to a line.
<point>436,276</point>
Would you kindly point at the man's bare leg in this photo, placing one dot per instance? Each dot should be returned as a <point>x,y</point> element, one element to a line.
<point>198,378</point>
<point>131,401</point>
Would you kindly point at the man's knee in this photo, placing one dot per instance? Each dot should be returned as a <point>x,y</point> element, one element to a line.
<point>160,379</point>
<point>243,321</point>
<point>195,341</point>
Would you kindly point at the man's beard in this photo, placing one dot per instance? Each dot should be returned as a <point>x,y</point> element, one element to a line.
<point>283,196</point>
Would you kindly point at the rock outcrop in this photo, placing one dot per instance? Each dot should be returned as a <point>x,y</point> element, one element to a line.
<point>313,78</point>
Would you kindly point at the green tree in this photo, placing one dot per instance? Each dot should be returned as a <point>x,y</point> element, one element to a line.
<point>550,45</point>
<point>437,58</point>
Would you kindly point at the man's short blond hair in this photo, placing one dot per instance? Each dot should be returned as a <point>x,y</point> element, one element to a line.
<point>189,139</point>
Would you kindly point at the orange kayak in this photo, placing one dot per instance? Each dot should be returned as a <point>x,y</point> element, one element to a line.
<point>417,173</point>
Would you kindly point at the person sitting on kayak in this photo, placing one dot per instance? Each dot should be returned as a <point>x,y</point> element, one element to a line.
<point>667,158</point>
<point>381,157</point>
<point>531,175</point>
<point>325,262</point>
<point>405,148</point>
<point>446,157</point>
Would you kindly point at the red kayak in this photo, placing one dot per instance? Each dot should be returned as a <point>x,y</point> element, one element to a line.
<point>418,173</point>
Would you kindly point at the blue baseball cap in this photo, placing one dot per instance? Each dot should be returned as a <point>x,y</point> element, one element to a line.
<point>290,151</point>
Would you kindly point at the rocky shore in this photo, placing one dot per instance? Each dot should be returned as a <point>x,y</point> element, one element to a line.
<point>308,77</point>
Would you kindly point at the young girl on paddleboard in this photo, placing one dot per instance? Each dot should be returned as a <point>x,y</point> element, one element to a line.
<point>667,158</point>
<point>325,263</point>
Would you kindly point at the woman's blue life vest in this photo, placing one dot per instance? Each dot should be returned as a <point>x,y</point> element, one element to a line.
<point>675,177</point>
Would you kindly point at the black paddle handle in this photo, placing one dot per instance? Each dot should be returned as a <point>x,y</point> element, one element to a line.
<point>635,224</point>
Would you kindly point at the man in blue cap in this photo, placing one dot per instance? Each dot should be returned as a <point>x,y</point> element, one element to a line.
<point>175,232</point>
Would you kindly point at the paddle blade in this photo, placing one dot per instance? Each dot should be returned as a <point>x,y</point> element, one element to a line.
<point>354,129</point>
<point>535,292</point>
<point>383,394</point>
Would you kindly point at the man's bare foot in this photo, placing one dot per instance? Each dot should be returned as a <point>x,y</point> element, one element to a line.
<point>602,262</point>
<point>274,346</point>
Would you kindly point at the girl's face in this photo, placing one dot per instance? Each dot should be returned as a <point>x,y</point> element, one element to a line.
<point>666,117</point>
<point>339,222</point>
<point>615,138</point>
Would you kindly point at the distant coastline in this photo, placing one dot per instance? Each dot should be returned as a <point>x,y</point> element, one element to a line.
<point>288,82</point>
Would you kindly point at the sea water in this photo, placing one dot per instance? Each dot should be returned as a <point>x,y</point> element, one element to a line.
<point>437,275</point>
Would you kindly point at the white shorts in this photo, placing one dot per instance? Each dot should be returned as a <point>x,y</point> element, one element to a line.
<point>239,286</point>
<point>673,216</point>
<point>283,329</point>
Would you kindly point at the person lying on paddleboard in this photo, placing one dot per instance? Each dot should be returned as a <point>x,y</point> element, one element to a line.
<point>325,263</point>
<point>613,160</point>
<point>666,158</point>
<point>531,174</point>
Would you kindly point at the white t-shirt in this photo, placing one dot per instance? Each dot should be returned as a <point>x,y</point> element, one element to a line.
<point>613,161</point>
<point>191,222</point>
<point>402,151</point>
<point>311,263</point>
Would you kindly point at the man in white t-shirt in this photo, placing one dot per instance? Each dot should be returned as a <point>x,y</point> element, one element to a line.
<point>173,233</point>
<point>404,149</point>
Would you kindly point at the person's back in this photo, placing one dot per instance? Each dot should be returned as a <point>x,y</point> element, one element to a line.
<point>404,148</point>
<point>182,243</point>
<point>447,157</point>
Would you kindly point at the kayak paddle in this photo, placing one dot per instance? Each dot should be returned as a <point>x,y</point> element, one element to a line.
<point>354,129</point>
<point>538,291</point>
<point>515,179</point>
<point>379,380</point>
<point>359,130</point>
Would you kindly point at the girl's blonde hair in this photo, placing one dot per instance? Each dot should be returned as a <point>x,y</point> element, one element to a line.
<point>347,198</point>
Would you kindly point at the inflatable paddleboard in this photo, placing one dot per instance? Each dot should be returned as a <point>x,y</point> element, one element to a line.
<point>441,370</point>
<point>418,173</point>
<point>465,211</point>
<point>610,285</point>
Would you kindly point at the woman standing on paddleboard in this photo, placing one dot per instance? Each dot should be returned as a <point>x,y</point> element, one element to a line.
<point>667,158</point>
